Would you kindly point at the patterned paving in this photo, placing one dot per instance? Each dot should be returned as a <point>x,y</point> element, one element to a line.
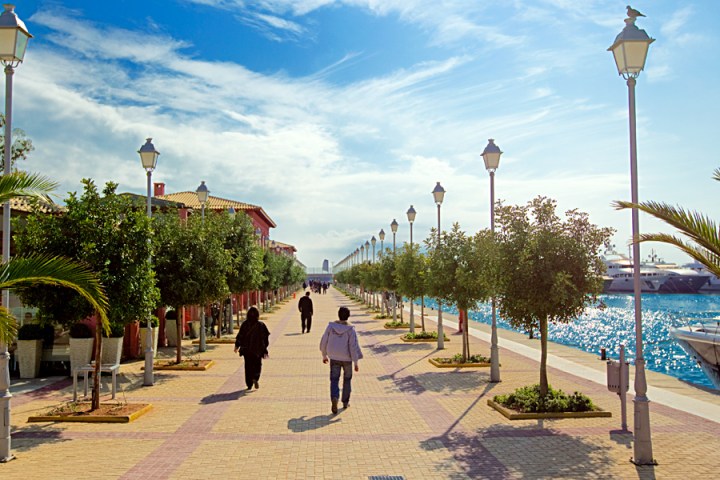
<point>406,418</point>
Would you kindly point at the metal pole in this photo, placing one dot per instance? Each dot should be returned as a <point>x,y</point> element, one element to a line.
<point>643,443</point>
<point>148,379</point>
<point>394,297</point>
<point>441,336</point>
<point>412,300</point>
<point>5,395</point>
<point>623,390</point>
<point>494,351</point>
<point>202,344</point>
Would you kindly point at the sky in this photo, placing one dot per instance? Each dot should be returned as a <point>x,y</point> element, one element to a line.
<point>336,116</point>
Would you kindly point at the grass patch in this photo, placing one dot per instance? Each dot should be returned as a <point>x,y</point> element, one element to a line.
<point>423,336</point>
<point>458,358</point>
<point>528,400</point>
<point>397,324</point>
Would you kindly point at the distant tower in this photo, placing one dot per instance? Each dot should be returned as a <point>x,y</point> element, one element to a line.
<point>326,266</point>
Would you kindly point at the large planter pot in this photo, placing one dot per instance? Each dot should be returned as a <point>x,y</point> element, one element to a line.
<point>143,338</point>
<point>29,354</point>
<point>81,350</point>
<point>112,350</point>
<point>171,333</point>
<point>195,329</point>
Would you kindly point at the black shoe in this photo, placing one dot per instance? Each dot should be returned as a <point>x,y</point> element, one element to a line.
<point>346,405</point>
<point>249,387</point>
<point>334,405</point>
<point>257,385</point>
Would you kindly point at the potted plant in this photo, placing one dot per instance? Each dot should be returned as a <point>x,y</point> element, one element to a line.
<point>29,349</point>
<point>143,334</point>
<point>171,330</point>
<point>112,344</point>
<point>81,345</point>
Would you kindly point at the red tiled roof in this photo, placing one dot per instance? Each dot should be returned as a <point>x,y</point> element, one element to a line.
<point>215,203</point>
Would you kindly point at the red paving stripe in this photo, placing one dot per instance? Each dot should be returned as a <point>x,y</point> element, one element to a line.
<point>43,392</point>
<point>163,461</point>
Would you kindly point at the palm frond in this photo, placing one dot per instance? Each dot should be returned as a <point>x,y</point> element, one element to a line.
<point>58,271</point>
<point>716,174</point>
<point>23,184</point>
<point>696,226</point>
<point>8,326</point>
<point>701,255</point>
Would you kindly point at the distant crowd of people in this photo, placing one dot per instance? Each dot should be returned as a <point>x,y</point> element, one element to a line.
<point>315,286</point>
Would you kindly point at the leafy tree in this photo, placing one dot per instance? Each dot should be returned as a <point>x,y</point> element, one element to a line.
<point>410,273</point>
<point>701,232</point>
<point>387,268</point>
<point>458,271</point>
<point>549,269</point>
<point>246,256</point>
<point>20,149</point>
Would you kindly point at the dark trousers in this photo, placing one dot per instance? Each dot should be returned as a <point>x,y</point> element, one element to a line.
<point>306,322</point>
<point>253,366</point>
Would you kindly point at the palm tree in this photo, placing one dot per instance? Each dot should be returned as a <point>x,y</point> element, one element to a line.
<point>702,241</point>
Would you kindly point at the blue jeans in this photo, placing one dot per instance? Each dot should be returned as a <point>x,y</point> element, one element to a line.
<point>335,366</point>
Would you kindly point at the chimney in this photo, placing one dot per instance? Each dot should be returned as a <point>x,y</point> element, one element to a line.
<point>159,189</point>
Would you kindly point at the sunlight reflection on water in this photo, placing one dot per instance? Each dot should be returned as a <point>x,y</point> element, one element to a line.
<point>614,325</point>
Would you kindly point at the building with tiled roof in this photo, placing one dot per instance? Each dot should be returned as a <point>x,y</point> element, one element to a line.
<point>260,219</point>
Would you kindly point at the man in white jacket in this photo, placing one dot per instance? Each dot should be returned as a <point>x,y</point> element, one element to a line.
<point>340,344</point>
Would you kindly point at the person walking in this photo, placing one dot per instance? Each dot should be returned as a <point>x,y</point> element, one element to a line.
<point>252,342</point>
<point>340,344</point>
<point>305,306</point>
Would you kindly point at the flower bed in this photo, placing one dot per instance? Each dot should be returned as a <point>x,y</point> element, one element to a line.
<point>456,361</point>
<point>526,403</point>
<point>422,337</point>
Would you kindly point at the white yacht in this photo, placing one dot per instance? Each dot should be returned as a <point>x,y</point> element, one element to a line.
<point>712,285</point>
<point>680,279</point>
<point>619,276</point>
<point>702,342</point>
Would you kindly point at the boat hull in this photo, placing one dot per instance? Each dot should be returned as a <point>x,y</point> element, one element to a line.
<point>702,342</point>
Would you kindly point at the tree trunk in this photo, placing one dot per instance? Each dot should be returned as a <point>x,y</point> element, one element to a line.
<point>179,311</point>
<point>98,360</point>
<point>543,357</point>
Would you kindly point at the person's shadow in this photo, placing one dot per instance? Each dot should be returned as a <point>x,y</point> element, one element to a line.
<point>302,424</point>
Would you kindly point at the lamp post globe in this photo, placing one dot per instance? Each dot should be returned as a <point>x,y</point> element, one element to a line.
<point>491,157</point>
<point>630,50</point>
<point>14,38</point>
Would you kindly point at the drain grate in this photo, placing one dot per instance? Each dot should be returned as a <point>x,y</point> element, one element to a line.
<point>386,477</point>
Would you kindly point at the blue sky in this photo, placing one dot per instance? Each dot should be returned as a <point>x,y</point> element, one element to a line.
<point>336,116</point>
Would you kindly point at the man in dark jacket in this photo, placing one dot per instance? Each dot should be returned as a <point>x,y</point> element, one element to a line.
<point>252,342</point>
<point>306,312</point>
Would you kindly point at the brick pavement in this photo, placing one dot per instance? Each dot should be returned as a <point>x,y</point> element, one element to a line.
<point>406,418</point>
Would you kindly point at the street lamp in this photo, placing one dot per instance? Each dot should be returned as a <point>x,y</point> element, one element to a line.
<point>202,194</point>
<point>630,52</point>
<point>411,219</point>
<point>231,213</point>
<point>373,242</point>
<point>438,195</point>
<point>491,157</point>
<point>148,158</point>
<point>13,42</point>
<point>393,228</point>
<point>381,235</point>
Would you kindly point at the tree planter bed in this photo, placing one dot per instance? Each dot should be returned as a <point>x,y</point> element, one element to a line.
<point>398,327</point>
<point>515,415</point>
<point>193,365</point>
<point>108,413</point>
<point>421,340</point>
<point>457,365</point>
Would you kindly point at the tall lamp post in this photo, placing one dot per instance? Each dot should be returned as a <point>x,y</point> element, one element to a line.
<point>373,241</point>
<point>148,157</point>
<point>202,194</point>
<point>367,251</point>
<point>381,236</point>
<point>411,219</point>
<point>393,229</point>
<point>630,51</point>
<point>13,42</point>
<point>231,213</point>
<point>438,195</point>
<point>491,157</point>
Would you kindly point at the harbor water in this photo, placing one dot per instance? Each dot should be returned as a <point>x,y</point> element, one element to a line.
<point>613,324</point>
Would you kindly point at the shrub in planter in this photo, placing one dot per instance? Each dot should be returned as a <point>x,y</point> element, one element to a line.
<point>528,400</point>
<point>81,345</point>
<point>112,344</point>
<point>29,349</point>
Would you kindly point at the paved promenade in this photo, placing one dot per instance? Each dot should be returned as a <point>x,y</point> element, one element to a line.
<point>406,418</point>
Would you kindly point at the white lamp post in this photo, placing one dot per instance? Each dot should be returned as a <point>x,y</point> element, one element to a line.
<point>373,241</point>
<point>202,194</point>
<point>381,236</point>
<point>411,219</point>
<point>367,251</point>
<point>148,157</point>
<point>13,42</point>
<point>231,213</point>
<point>438,195</point>
<point>630,51</point>
<point>393,228</point>
<point>491,157</point>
